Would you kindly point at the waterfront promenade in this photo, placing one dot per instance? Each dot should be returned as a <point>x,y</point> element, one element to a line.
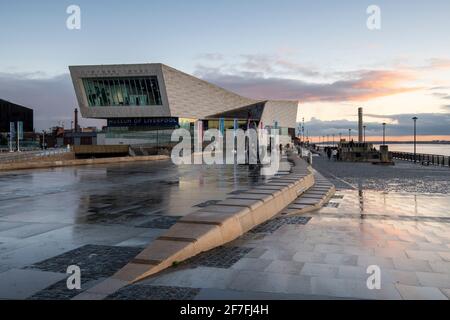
<point>326,255</point>
<point>394,217</point>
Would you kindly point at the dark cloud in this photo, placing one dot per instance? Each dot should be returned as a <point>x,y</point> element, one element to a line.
<point>357,86</point>
<point>441,95</point>
<point>440,88</point>
<point>427,124</point>
<point>52,99</point>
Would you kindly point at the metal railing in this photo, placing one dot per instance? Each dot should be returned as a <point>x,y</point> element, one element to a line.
<point>424,159</point>
<point>31,155</point>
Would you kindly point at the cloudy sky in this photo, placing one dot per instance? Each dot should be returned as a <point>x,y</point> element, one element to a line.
<point>318,52</point>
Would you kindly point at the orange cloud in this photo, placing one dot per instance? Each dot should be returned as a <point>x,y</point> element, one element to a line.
<point>375,84</point>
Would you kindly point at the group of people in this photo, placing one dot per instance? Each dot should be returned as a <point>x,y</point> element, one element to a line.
<point>332,153</point>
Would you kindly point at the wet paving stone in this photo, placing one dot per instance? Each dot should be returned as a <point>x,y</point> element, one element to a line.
<point>147,292</point>
<point>59,290</point>
<point>170,182</point>
<point>207,203</point>
<point>332,205</point>
<point>122,218</point>
<point>160,222</point>
<point>238,191</point>
<point>95,261</point>
<point>275,224</point>
<point>403,177</point>
<point>221,257</point>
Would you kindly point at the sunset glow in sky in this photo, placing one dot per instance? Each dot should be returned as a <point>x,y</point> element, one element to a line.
<point>318,52</point>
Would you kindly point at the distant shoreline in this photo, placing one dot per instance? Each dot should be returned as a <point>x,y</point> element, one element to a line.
<point>399,142</point>
<point>410,142</point>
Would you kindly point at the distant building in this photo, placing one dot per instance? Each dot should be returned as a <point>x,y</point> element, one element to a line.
<point>143,103</point>
<point>11,112</point>
<point>78,138</point>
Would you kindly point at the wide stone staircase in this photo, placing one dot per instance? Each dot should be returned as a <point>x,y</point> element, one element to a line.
<point>314,198</point>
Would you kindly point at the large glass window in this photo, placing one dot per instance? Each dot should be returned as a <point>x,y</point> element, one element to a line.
<point>123,91</point>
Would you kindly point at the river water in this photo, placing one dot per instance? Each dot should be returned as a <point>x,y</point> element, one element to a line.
<point>438,149</point>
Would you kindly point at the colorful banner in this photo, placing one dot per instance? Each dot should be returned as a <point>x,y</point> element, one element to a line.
<point>222,126</point>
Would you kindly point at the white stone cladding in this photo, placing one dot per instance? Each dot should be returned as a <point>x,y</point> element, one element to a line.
<point>191,97</point>
<point>284,112</point>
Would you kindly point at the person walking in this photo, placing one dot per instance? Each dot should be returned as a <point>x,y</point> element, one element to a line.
<point>329,153</point>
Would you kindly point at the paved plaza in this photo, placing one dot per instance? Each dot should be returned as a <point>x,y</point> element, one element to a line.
<point>86,210</point>
<point>100,217</point>
<point>328,256</point>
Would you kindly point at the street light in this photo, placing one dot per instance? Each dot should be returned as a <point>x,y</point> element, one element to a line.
<point>364,130</point>
<point>415,133</point>
<point>333,139</point>
<point>349,134</point>
<point>384,133</point>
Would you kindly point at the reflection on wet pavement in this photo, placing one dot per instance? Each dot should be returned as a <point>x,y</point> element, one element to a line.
<point>90,194</point>
<point>44,213</point>
<point>389,204</point>
<point>403,177</point>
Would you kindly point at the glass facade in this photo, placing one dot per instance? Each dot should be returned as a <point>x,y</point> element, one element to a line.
<point>122,91</point>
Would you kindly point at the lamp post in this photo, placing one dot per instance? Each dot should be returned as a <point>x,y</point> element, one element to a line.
<point>333,139</point>
<point>384,133</point>
<point>349,134</point>
<point>415,133</point>
<point>364,134</point>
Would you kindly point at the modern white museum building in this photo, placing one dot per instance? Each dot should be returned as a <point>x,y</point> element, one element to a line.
<point>144,103</point>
